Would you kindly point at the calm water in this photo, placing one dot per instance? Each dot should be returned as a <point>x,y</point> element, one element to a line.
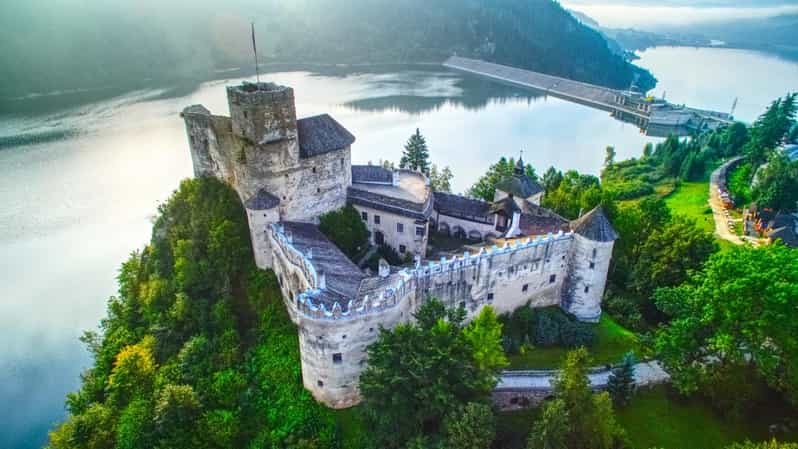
<point>77,203</point>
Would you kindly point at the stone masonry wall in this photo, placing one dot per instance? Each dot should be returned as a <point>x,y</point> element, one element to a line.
<point>333,340</point>
<point>414,244</point>
<point>584,289</point>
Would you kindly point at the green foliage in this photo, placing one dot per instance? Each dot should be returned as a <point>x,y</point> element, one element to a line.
<point>625,310</point>
<point>346,229</point>
<point>577,418</point>
<point>770,129</point>
<point>419,372</point>
<point>574,193</point>
<point>777,184</point>
<point>197,349</point>
<point>441,181</point>
<point>739,183</point>
<point>484,333</point>
<point>739,310</point>
<point>669,253</point>
<point>544,327</point>
<point>621,383</point>
<point>471,427</point>
<point>416,154</point>
<point>485,187</point>
<point>553,428</point>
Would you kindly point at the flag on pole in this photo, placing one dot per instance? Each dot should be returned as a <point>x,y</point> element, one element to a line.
<point>255,51</point>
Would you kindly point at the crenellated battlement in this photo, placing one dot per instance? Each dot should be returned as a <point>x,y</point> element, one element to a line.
<point>315,302</point>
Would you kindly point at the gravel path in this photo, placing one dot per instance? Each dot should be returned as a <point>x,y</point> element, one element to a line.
<point>646,373</point>
<point>718,211</point>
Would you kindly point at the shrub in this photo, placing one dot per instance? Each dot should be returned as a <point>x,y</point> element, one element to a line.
<point>346,229</point>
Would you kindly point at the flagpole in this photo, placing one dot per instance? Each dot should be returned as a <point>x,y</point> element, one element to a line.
<point>255,51</point>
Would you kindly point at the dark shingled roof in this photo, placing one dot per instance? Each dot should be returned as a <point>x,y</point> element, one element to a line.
<point>261,201</point>
<point>342,276</point>
<point>521,186</point>
<point>393,205</point>
<point>783,228</point>
<point>595,226</point>
<point>542,224</point>
<point>371,174</point>
<point>506,205</point>
<point>462,207</point>
<point>321,134</point>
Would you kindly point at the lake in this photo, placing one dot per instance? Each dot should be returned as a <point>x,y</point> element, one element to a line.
<point>80,194</point>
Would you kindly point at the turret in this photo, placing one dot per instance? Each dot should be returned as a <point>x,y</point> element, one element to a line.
<point>262,113</point>
<point>591,253</point>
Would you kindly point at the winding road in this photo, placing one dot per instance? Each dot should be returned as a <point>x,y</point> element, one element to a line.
<point>716,181</point>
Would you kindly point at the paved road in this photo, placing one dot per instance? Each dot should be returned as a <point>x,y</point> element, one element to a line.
<point>718,212</point>
<point>646,373</point>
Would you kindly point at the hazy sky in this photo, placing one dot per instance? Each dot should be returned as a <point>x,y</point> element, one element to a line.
<point>650,15</point>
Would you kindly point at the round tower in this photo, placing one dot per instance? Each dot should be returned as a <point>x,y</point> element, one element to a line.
<point>591,253</point>
<point>262,113</point>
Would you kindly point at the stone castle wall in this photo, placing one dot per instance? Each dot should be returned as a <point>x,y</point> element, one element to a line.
<point>333,338</point>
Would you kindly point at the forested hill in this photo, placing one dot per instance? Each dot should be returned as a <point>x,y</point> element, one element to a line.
<point>49,46</point>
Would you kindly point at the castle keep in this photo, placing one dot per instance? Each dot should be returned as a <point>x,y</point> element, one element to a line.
<point>289,171</point>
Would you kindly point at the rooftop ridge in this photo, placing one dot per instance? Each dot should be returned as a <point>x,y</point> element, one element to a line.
<point>309,304</point>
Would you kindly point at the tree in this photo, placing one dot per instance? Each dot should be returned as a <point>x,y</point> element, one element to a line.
<point>441,181</point>
<point>735,137</point>
<point>777,184</point>
<point>648,150</point>
<point>485,335</point>
<point>577,417</point>
<point>609,156</point>
<point>419,372</point>
<point>346,229</point>
<point>552,179</point>
<point>197,349</point>
<point>553,428</point>
<point>738,311</point>
<point>472,427</point>
<point>621,383</point>
<point>485,187</point>
<point>668,254</point>
<point>416,155</point>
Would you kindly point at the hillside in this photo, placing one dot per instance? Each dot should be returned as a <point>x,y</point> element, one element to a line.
<point>95,45</point>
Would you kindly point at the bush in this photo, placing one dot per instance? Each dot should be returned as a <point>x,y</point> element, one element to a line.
<point>574,334</point>
<point>626,311</point>
<point>346,229</point>
<point>543,327</point>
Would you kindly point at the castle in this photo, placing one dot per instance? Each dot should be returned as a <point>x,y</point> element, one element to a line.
<point>288,172</point>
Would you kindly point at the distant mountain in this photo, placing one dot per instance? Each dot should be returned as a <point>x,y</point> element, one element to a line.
<point>96,44</point>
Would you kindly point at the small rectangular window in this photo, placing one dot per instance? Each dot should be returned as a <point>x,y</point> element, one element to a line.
<point>587,288</point>
<point>594,252</point>
<point>402,249</point>
<point>420,230</point>
<point>552,278</point>
<point>376,219</point>
<point>400,227</point>
<point>490,296</point>
<point>592,265</point>
<point>525,288</point>
<point>320,383</point>
<point>364,216</point>
<point>338,358</point>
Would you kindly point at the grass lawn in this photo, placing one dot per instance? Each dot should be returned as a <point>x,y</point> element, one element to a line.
<point>612,342</point>
<point>691,199</point>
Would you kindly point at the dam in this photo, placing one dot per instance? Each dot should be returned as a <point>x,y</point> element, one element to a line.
<point>654,116</point>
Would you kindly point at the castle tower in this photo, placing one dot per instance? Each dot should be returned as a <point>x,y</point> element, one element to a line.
<point>590,257</point>
<point>262,113</point>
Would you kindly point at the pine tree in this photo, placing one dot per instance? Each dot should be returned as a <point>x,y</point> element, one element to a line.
<point>620,384</point>
<point>416,154</point>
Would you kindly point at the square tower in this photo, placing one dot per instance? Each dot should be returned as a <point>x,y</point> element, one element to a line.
<point>262,113</point>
